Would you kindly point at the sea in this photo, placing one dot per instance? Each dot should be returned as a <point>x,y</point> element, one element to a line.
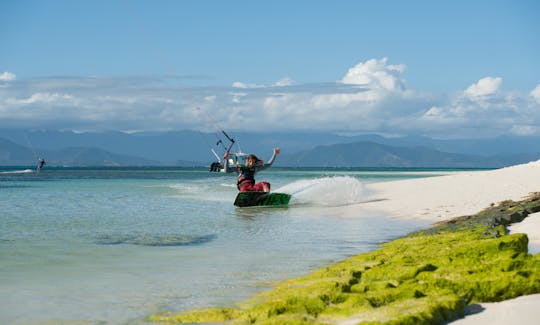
<point>115,245</point>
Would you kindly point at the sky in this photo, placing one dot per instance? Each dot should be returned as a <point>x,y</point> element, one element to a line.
<point>444,69</point>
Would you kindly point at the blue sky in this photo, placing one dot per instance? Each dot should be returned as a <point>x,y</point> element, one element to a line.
<point>439,68</point>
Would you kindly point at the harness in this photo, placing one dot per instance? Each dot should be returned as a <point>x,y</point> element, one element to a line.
<point>246,177</point>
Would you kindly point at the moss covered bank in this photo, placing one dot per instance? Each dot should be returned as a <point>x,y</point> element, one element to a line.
<point>425,278</point>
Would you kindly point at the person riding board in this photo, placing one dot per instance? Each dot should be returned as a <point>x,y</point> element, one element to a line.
<point>246,174</point>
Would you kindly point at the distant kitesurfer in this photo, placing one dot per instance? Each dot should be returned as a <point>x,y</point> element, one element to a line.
<point>246,173</point>
<point>40,164</point>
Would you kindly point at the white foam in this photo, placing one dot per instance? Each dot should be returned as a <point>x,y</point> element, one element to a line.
<point>327,191</point>
<point>25,171</point>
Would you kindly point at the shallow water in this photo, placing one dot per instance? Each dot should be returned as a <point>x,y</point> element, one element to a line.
<point>111,246</point>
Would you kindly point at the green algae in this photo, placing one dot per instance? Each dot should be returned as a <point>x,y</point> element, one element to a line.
<point>213,315</point>
<point>494,217</point>
<point>425,278</point>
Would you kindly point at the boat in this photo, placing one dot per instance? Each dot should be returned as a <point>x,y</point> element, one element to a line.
<point>233,160</point>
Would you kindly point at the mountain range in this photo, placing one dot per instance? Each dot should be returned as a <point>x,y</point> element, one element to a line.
<point>315,149</point>
<point>371,154</point>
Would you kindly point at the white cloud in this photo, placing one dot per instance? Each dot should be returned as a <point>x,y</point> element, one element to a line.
<point>210,99</point>
<point>7,76</point>
<point>524,129</point>
<point>484,109</point>
<point>371,97</point>
<point>237,97</point>
<point>283,82</point>
<point>434,113</point>
<point>42,97</point>
<point>535,93</point>
<point>242,85</point>
<point>484,87</point>
<point>376,74</point>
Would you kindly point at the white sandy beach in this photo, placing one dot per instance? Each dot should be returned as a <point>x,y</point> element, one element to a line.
<point>445,197</point>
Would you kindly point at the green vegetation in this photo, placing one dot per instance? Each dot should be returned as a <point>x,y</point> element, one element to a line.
<point>425,278</point>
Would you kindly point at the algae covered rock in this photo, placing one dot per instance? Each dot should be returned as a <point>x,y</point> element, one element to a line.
<point>503,214</point>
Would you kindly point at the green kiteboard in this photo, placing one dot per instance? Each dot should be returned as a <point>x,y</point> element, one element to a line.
<point>249,199</point>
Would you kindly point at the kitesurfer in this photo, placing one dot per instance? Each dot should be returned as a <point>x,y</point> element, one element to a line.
<point>41,162</point>
<point>246,173</point>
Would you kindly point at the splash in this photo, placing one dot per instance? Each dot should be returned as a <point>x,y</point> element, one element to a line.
<point>327,191</point>
<point>204,191</point>
<point>24,171</point>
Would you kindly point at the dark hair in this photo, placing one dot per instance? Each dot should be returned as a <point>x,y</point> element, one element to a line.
<point>252,156</point>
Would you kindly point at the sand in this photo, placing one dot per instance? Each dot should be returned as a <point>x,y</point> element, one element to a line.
<point>531,227</point>
<point>441,198</point>
<point>445,197</point>
<point>523,310</point>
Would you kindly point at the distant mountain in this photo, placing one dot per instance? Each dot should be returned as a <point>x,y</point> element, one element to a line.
<point>501,145</point>
<point>15,154</point>
<point>83,156</point>
<point>169,147</point>
<point>166,148</point>
<point>12,154</point>
<point>192,148</point>
<point>370,154</point>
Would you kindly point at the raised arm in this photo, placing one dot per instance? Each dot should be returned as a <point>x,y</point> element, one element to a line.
<point>270,161</point>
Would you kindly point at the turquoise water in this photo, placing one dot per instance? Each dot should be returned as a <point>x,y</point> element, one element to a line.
<point>113,245</point>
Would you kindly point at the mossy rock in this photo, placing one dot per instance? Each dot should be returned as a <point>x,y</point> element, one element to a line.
<point>492,218</point>
<point>211,315</point>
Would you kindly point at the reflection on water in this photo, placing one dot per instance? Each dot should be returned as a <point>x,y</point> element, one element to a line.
<point>154,240</point>
<point>259,212</point>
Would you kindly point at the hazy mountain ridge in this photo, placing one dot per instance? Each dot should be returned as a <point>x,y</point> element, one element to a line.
<point>12,154</point>
<point>315,149</point>
<point>370,154</point>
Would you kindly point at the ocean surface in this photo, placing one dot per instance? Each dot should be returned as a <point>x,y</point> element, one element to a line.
<point>113,245</point>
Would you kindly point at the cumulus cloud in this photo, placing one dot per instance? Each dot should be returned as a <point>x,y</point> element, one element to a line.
<point>376,74</point>
<point>484,109</point>
<point>283,82</point>
<point>7,76</point>
<point>371,97</point>
<point>535,93</point>
<point>243,85</point>
<point>484,87</point>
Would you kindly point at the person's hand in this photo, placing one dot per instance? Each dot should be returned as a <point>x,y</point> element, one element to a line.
<point>277,151</point>
<point>226,155</point>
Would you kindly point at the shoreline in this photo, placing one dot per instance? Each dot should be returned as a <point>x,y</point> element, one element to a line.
<point>444,197</point>
<point>465,193</point>
<point>440,198</point>
<point>433,200</point>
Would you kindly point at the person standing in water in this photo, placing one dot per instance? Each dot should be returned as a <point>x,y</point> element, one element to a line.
<point>41,162</point>
<point>246,173</point>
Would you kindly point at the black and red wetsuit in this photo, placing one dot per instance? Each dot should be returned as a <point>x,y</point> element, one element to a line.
<point>246,180</point>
